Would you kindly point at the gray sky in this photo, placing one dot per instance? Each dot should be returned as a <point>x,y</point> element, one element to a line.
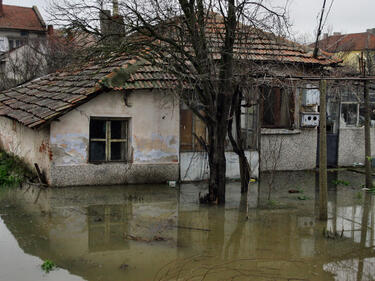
<point>346,16</point>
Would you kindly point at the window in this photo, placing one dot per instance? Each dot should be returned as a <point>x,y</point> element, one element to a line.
<point>16,43</point>
<point>108,140</point>
<point>277,107</point>
<point>350,114</point>
<point>191,128</point>
<point>249,125</point>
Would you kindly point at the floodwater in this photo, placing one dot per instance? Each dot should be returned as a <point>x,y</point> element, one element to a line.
<point>156,232</point>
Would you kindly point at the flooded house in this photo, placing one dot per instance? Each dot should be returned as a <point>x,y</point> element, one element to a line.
<point>82,131</point>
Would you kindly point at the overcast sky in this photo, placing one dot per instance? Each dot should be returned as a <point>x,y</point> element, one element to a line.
<point>346,16</point>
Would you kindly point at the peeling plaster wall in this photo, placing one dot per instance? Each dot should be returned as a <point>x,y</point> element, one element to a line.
<point>194,165</point>
<point>298,149</point>
<point>352,145</point>
<point>153,140</point>
<point>32,146</point>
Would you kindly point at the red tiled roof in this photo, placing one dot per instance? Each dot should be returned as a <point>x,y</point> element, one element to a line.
<point>44,99</point>
<point>15,17</point>
<point>348,42</point>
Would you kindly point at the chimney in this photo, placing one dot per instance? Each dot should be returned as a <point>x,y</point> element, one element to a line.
<point>1,8</point>
<point>325,35</point>
<point>50,29</point>
<point>115,8</point>
<point>336,33</point>
<point>105,21</point>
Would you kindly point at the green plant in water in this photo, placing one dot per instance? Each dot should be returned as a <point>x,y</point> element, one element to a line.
<point>302,197</point>
<point>340,182</point>
<point>48,265</point>
<point>12,170</point>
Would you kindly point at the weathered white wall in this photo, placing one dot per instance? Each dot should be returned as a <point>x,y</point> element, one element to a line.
<point>154,140</point>
<point>194,165</point>
<point>352,145</point>
<point>30,145</point>
<point>298,149</point>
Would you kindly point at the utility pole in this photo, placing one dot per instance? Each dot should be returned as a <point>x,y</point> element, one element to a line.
<point>319,31</point>
<point>367,137</point>
<point>323,213</point>
<point>366,97</point>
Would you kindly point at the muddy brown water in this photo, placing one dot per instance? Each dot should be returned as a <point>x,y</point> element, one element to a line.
<point>155,232</point>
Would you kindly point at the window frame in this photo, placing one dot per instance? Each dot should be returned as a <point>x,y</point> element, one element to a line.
<point>108,140</point>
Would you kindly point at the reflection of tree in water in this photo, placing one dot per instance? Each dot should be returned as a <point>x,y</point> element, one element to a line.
<point>235,238</point>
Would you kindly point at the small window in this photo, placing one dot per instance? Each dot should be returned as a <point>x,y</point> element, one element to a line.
<point>192,131</point>
<point>249,125</point>
<point>277,107</point>
<point>108,140</point>
<point>350,114</point>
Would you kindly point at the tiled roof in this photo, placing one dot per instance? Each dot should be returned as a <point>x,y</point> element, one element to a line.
<point>259,46</point>
<point>38,101</point>
<point>23,18</point>
<point>51,96</point>
<point>348,42</point>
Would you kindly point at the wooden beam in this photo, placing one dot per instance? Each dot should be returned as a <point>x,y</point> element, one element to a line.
<point>323,213</point>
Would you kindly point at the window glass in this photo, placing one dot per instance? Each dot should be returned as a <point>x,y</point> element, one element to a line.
<point>118,129</point>
<point>118,151</point>
<point>98,129</point>
<point>97,151</point>
<point>349,113</point>
<point>11,44</point>
<point>277,107</point>
<point>191,128</point>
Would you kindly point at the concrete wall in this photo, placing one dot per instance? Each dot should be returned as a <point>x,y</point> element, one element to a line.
<point>194,165</point>
<point>32,146</point>
<point>298,149</point>
<point>154,141</point>
<point>352,145</point>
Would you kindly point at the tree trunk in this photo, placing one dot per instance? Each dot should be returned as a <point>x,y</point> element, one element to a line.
<point>217,163</point>
<point>238,144</point>
<point>323,153</point>
<point>367,138</point>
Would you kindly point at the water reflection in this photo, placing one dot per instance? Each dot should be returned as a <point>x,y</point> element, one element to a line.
<point>147,232</point>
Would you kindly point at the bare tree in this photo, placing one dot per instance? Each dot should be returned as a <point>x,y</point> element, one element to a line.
<point>271,152</point>
<point>38,57</point>
<point>196,41</point>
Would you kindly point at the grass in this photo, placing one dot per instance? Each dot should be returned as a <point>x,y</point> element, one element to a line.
<point>13,170</point>
<point>48,265</point>
<point>340,182</point>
